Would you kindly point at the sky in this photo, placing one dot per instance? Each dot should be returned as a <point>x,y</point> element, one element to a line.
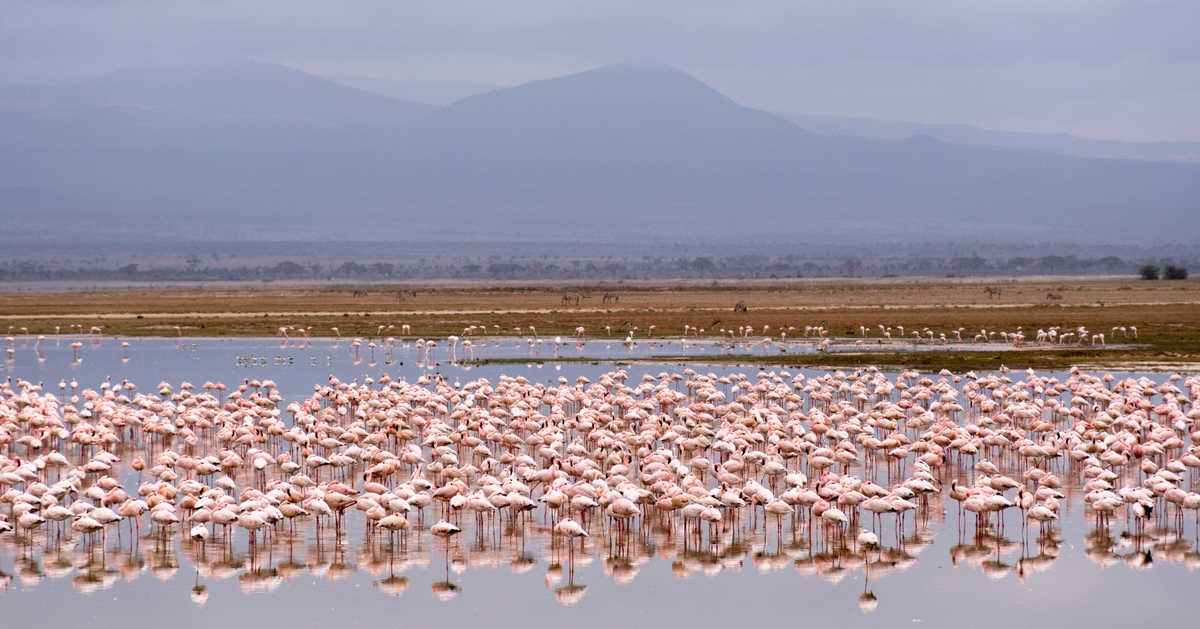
<point>1096,68</point>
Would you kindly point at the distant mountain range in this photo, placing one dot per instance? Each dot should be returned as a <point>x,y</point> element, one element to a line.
<point>628,150</point>
<point>442,93</point>
<point>967,134</point>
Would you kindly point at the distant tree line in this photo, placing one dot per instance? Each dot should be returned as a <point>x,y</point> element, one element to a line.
<point>649,267</point>
<point>1169,272</point>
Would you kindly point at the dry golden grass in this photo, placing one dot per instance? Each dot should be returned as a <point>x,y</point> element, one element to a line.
<point>635,296</point>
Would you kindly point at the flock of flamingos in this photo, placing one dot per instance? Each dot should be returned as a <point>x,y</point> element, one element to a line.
<point>829,474</point>
<point>1018,337</point>
<point>818,336</point>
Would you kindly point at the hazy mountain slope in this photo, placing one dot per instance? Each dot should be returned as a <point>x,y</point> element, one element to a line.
<point>967,134</point>
<point>225,106</point>
<point>229,90</point>
<point>624,150</point>
<point>649,145</point>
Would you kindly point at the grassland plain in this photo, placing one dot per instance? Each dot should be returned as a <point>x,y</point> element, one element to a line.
<point>1166,313</point>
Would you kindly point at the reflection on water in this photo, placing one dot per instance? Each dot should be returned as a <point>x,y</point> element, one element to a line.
<point>294,348</point>
<point>595,475</point>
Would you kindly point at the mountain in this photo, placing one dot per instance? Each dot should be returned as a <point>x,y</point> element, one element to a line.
<point>966,134</point>
<point>230,105</point>
<point>230,90</point>
<point>607,145</point>
<point>633,151</point>
<point>614,112</point>
<point>641,148</point>
<point>227,139</point>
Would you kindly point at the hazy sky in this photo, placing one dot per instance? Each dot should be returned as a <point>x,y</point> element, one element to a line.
<point>1100,68</point>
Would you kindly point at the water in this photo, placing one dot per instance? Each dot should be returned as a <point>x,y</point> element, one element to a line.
<point>940,573</point>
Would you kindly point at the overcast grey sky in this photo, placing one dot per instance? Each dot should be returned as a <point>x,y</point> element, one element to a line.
<point>1099,68</point>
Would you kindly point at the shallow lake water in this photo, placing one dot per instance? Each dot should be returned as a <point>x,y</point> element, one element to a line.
<point>752,568</point>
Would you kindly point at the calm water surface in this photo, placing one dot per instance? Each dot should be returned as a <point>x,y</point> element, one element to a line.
<point>751,573</point>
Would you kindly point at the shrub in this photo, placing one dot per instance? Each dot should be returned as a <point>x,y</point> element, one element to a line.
<point>1149,272</point>
<point>1174,273</point>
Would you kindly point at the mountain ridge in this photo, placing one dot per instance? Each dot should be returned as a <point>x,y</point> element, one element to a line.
<point>617,150</point>
<point>954,133</point>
